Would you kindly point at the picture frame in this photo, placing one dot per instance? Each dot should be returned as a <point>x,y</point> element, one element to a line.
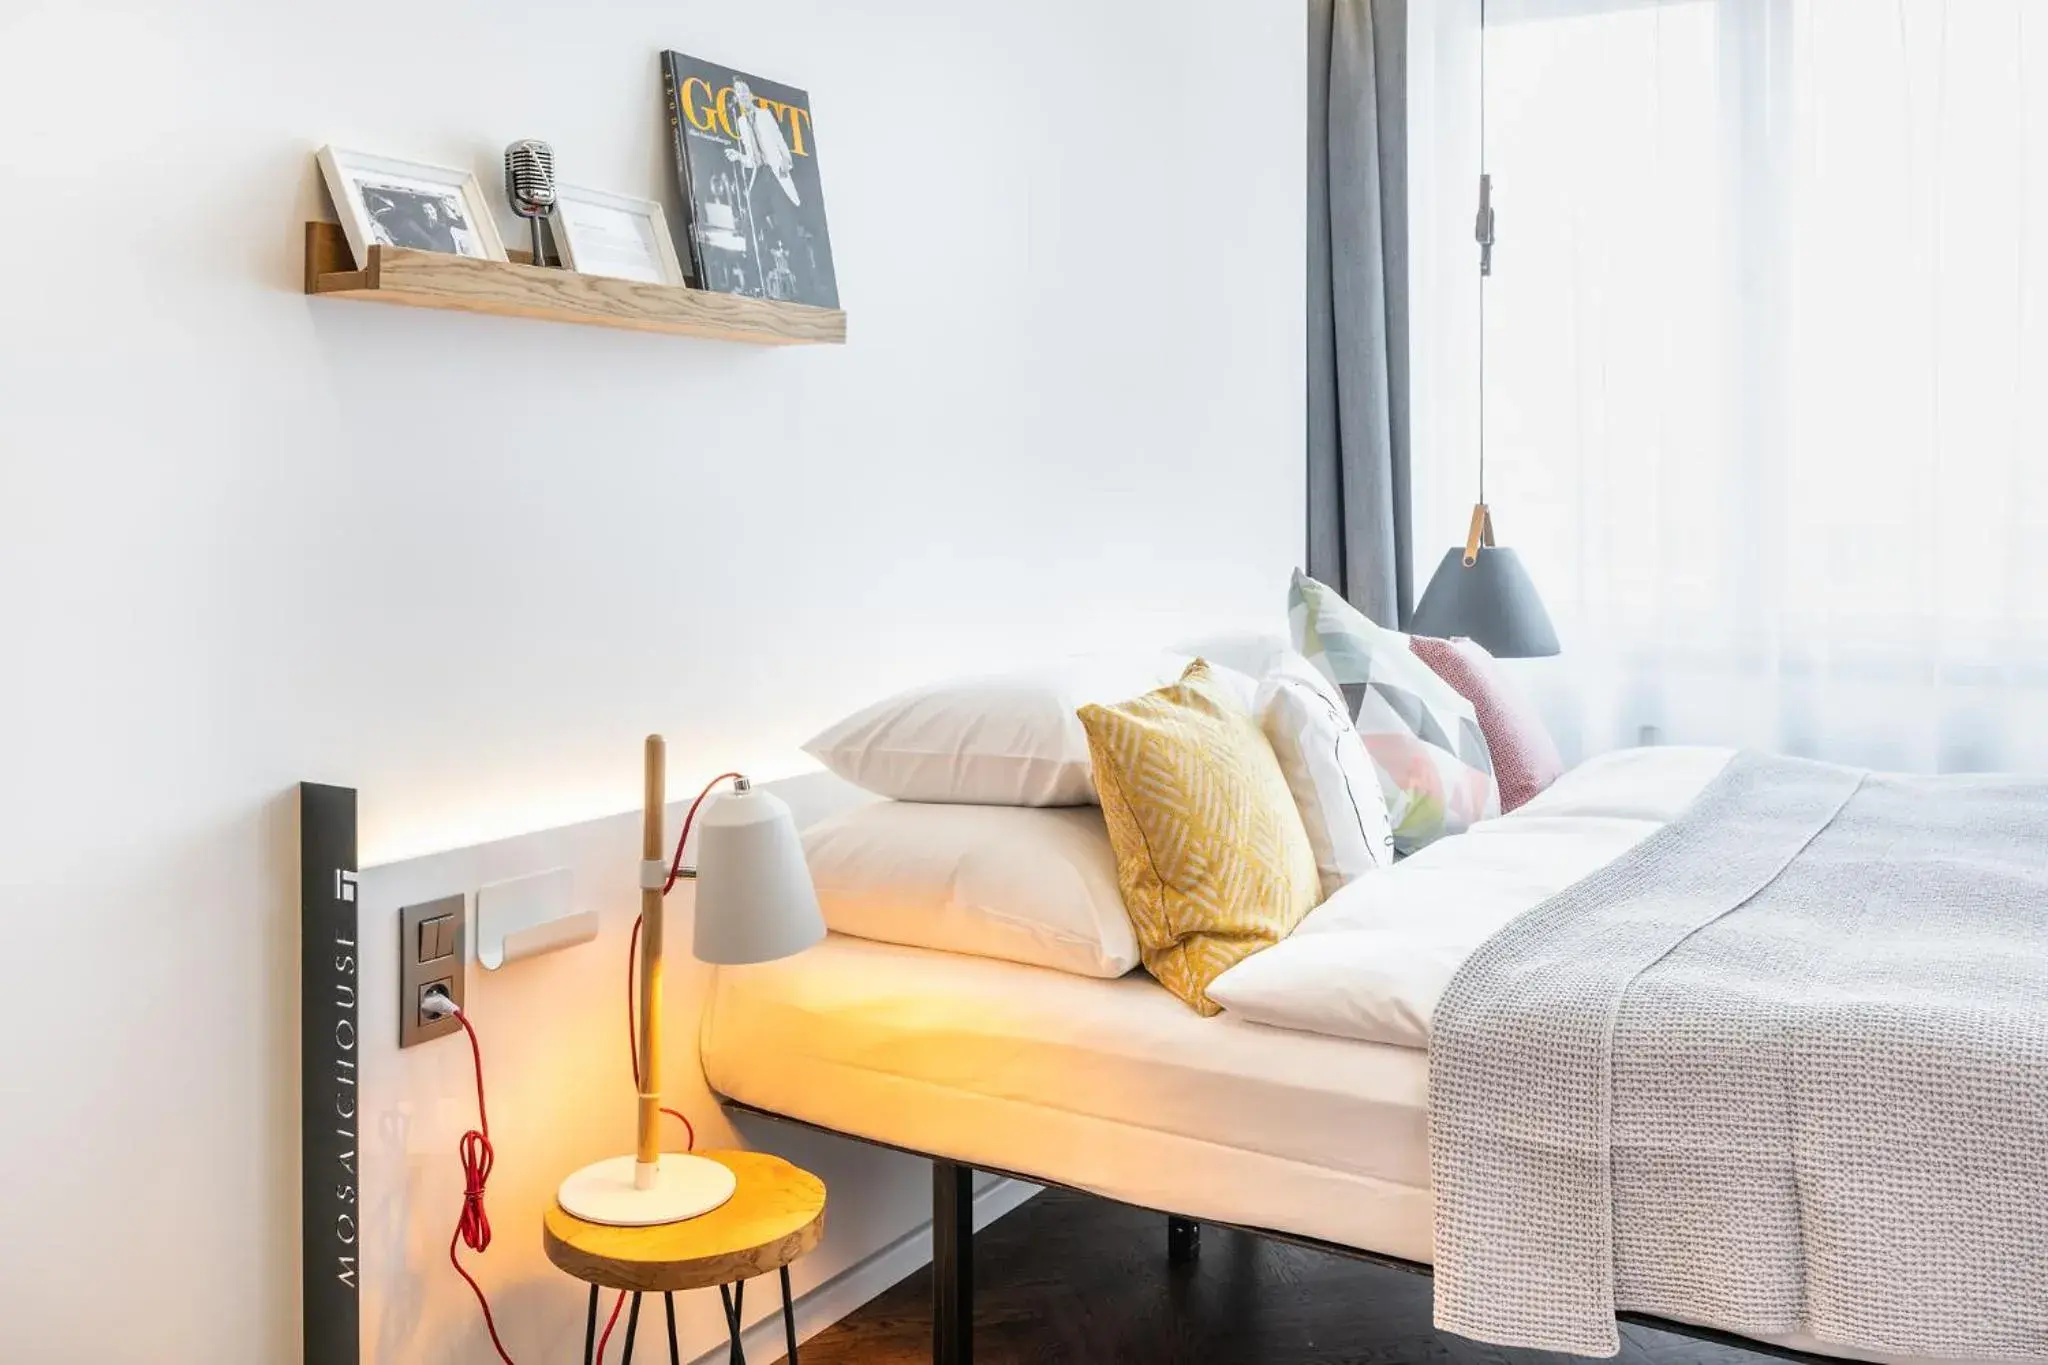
<point>385,201</point>
<point>617,236</point>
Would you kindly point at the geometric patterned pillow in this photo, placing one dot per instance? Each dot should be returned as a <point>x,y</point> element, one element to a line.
<point>1433,763</point>
<point>1335,786</point>
<point>1211,855</point>
<point>1525,757</point>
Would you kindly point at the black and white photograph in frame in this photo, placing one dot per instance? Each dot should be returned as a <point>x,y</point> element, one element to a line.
<point>614,235</point>
<point>383,201</point>
<point>747,158</point>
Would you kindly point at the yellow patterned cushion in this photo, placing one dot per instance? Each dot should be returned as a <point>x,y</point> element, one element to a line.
<point>1210,852</point>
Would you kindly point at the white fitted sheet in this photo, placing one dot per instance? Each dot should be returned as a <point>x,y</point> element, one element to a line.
<point>1373,960</point>
<point>1114,1087</point>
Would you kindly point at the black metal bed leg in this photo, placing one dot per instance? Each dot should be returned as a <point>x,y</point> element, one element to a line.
<point>590,1330</point>
<point>788,1319</point>
<point>1183,1240</point>
<point>952,1263</point>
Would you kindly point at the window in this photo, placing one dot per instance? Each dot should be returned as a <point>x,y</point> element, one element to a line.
<point>1763,343</point>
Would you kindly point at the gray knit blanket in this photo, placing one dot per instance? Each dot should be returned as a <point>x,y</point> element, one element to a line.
<point>1783,1068</point>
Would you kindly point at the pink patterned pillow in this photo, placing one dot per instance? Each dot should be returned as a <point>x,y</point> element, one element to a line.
<point>1525,758</point>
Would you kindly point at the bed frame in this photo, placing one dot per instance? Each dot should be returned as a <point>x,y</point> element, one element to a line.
<point>953,1253</point>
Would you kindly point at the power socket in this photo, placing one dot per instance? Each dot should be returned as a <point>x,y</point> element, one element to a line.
<point>433,950</point>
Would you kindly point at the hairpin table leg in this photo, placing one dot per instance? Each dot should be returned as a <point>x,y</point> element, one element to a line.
<point>632,1325</point>
<point>675,1357</point>
<point>788,1319</point>
<point>733,1304</point>
<point>590,1331</point>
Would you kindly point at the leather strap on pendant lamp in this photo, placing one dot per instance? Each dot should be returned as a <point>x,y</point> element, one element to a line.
<point>1480,590</point>
<point>1481,534</point>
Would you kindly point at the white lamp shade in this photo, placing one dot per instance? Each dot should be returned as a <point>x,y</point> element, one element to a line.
<point>755,901</point>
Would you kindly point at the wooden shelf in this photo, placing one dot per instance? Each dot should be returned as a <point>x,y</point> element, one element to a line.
<point>433,279</point>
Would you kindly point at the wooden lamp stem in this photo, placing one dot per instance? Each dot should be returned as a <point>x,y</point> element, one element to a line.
<point>653,838</point>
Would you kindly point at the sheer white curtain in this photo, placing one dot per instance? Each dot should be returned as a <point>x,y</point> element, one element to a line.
<point>1767,344</point>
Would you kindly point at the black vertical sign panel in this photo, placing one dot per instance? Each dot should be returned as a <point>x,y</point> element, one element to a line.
<point>329,1074</point>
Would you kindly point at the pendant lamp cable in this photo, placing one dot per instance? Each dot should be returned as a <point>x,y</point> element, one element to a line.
<point>1484,232</point>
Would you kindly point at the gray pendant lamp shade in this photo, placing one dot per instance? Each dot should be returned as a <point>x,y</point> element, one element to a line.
<point>1489,600</point>
<point>755,901</point>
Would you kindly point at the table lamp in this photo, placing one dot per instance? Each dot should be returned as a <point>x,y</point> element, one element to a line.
<point>755,903</point>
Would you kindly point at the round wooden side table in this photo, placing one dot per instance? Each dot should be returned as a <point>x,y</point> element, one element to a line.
<point>776,1214</point>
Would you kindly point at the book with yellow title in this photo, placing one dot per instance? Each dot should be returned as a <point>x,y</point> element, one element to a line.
<point>747,158</point>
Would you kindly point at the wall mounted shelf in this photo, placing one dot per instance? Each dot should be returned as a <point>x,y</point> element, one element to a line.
<point>432,279</point>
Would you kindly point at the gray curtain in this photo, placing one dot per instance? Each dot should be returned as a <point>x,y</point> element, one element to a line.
<point>1358,532</point>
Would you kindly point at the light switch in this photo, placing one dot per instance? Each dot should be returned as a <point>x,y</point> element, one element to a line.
<point>437,938</point>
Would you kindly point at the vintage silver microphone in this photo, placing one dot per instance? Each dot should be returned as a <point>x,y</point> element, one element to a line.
<point>530,185</point>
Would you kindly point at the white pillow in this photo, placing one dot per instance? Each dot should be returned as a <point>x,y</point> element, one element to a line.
<point>1252,653</point>
<point>1032,886</point>
<point>1011,739</point>
<point>1329,772</point>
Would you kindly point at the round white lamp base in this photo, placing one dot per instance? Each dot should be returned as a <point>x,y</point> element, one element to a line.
<point>685,1187</point>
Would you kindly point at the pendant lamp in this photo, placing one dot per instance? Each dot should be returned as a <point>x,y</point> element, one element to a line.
<point>1480,590</point>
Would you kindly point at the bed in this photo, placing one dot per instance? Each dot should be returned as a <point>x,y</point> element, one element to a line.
<point>1115,1088</point>
<point>993,1066</point>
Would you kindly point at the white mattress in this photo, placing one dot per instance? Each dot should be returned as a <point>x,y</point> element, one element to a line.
<point>1111,1086</point>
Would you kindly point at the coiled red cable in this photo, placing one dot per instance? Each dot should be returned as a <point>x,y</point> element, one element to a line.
<point>473,1227</point>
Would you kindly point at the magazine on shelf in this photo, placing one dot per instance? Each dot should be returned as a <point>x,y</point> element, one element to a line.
<point>747,158</point>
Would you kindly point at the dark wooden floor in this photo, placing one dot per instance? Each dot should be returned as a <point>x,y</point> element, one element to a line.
<point>1070,1278</point>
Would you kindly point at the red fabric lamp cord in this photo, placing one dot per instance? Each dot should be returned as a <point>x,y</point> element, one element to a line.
<point>473,1226</point>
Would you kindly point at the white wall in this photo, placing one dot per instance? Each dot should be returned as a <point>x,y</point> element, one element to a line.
<point>464,563</point>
